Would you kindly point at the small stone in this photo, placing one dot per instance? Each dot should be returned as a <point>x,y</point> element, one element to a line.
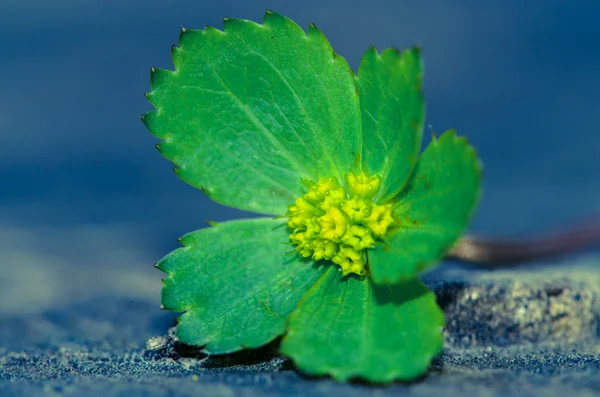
<point>186,362</point>
<point>156,343</point>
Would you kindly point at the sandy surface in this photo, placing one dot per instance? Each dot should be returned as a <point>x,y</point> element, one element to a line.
<point>513,332</point>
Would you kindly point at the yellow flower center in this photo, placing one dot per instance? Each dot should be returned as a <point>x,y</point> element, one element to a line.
<point>330,223</point>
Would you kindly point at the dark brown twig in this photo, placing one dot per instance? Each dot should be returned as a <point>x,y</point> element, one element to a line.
<point>495,253</point>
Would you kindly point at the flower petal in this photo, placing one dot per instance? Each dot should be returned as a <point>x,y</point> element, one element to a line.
<point>433,210</point>
<point>392,108</point>
<point>348,327</point>
<point>251,110</point>
<point>235,284</point>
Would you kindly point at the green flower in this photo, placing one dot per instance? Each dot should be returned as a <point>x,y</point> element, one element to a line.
<point>267,118</point>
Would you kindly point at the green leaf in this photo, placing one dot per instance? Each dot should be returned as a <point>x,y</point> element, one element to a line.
<point>392,108</point>
<point>235,284</point>
<point>433,210</point>
<point>348,327</point>
<point>251,110</point>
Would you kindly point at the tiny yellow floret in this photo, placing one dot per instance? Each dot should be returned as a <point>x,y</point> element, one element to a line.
<point>350,260</point>
<point>380,219</point>
<point>302,211</point>
<point>358,237</point>
<point>324,249</point>
<point>363,186</point>
<point>338,225</point>
<point>333,224</point>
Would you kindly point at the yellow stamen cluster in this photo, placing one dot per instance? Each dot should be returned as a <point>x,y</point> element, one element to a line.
<point>330,223</point>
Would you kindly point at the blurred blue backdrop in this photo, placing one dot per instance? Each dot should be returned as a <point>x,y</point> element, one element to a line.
<point>84,193</point>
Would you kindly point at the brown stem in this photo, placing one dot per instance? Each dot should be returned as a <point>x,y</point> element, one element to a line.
<point>494,253</point>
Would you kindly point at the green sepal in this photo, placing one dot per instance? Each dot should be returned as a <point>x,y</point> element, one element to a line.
<point>392,108</point>
<point>349,328</point>
<point>235,284</point>
<point>252,110</point>
<point>432,211</point>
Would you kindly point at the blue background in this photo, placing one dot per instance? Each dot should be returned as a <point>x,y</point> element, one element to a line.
<point>87,204</point>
